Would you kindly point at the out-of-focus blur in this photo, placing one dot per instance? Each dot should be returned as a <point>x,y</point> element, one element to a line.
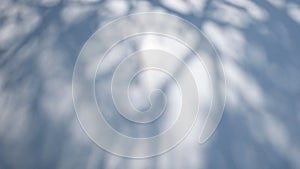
<point>257,41</point>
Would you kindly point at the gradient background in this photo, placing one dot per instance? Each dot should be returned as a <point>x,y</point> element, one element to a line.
<point>258,42</point>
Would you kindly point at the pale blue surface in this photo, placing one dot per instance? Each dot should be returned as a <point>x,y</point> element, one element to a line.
<point>39,44</point>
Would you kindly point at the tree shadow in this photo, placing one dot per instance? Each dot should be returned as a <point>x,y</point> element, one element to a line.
<point>257,41</point>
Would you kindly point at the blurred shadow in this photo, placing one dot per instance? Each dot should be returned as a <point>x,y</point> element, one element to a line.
<point>258,43</point>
